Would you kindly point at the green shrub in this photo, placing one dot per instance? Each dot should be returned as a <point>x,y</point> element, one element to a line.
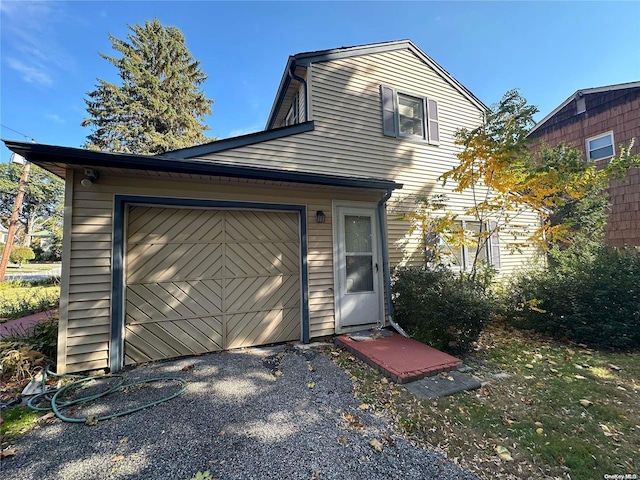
<point>41,338</point>
<point>45,282</point>
<point>18,254</point>
<point>21,255</point>
<point>20,302</point>
<point>594,300</point>
<point>441,308</point>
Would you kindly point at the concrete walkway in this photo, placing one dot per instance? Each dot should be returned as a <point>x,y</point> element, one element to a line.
<point>21,325</point>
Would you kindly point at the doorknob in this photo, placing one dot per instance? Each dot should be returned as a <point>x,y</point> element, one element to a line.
<point>376,268</point>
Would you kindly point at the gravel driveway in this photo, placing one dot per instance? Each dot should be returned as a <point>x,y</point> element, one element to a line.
<point>240,418</point>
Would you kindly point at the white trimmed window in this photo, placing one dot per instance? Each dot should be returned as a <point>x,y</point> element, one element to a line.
<point>600,147</point>
<point>462,256</point>
<point>409,116</point>
<point>292,114</point>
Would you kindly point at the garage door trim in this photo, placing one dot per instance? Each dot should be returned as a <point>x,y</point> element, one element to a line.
<point>118,284</point>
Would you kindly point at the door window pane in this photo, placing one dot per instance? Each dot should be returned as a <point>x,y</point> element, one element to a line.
<point>359,273</point>
<point>357,234</point>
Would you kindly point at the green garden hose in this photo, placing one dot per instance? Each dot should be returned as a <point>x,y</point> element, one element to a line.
<point>56,404</point>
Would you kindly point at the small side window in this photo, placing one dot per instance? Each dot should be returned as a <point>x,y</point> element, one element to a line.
<point>409,116</point>
<point>292,114</point>
<point>600,147</point>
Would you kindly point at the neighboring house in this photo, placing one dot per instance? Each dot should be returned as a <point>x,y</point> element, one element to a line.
<point>275,236</point>
<point>597,121</point>
<point>45,240</point>
<point>3,234</point>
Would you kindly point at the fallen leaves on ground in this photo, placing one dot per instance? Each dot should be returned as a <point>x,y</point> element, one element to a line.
<point>503,453</point>
<point>353,421</point>
<point>8,452</point>
<point>531,404</point>
<point>91,421</point>
<point>376,445</point>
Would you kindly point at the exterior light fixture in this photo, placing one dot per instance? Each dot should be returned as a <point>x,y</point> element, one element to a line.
<point>19,159</point>
<point>320,216</point>
<point>90,176</point>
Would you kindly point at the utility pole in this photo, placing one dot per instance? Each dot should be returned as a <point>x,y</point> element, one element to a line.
<point>13,221</point>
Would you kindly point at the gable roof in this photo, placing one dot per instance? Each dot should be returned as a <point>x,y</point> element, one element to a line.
<point>580,93</point>
<point>55,158</point>
<point>303,60</point>
<point>307,58</point>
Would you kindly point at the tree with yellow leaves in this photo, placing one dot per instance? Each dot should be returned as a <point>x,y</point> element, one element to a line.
<point>507,182</point>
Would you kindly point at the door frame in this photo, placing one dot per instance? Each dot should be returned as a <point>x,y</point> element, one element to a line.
<point>119,241</point>
<point>373,207</point>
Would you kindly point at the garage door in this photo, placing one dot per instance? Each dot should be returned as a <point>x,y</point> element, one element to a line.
<point>200,280</point>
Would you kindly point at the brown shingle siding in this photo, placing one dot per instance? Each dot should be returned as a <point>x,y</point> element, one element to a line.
<point>617,111</point>
<point>596,104</point>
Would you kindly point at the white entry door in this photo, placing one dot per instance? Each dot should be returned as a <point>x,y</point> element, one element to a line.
<point>358,267</point>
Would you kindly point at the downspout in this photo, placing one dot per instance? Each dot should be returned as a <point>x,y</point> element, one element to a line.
<point>304,89</point>
<point>385,262</point>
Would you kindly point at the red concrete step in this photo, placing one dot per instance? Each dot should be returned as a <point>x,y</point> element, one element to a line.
<point>399,358</point>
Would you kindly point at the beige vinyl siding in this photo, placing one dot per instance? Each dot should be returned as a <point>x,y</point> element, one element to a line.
<point>86,313</point>
<point>348,140</point>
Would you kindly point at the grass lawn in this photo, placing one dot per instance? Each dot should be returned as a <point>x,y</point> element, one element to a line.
<point>20,301</point>
<point>16,421</point>
<point>32,267</point>
<point>561,411</point>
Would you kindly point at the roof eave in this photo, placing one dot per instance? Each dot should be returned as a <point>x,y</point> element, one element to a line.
<point>280,93</point>
<point>43,154</point>
<point>584,91</point>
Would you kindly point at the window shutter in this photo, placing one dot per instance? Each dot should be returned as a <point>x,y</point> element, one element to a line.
<point>494,244</point>
<point>434,124</point>
<point>388,111</point>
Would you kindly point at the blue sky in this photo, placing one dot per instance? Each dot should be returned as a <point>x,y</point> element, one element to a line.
<point>49,51</point>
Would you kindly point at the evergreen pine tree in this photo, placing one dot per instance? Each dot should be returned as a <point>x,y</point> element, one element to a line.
<point>159,106</point>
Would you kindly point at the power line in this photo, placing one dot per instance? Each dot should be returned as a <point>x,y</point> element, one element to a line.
<point>27,137</point>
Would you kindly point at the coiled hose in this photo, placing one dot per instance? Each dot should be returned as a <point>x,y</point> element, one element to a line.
<point>54,397</point>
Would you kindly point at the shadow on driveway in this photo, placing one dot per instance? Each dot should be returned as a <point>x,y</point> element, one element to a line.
<point>239,419</point>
